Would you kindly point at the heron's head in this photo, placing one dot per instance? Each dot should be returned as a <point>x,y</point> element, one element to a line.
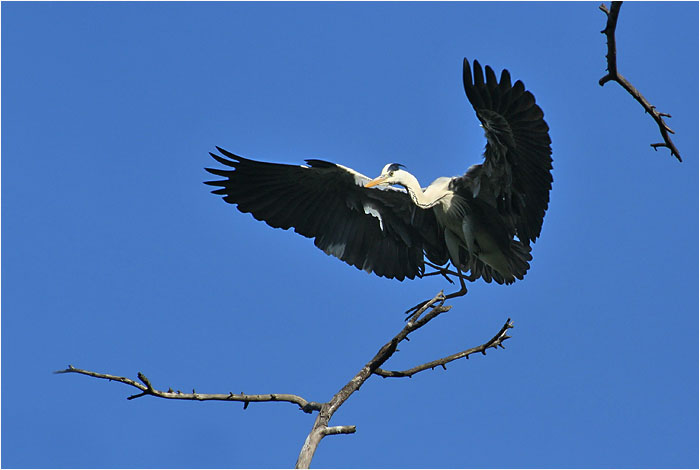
<point>391,174</point>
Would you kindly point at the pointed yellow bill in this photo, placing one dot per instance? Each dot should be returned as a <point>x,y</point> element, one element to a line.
<point>376,181</point>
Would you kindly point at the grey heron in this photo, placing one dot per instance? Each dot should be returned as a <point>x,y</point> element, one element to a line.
<point>483,222</point>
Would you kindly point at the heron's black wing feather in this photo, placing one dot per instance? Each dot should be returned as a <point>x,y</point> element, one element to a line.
<point>380,231</point>
<point>516,173</point>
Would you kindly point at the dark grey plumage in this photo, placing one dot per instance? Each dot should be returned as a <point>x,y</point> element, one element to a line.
<point>328,202</point>
<point>516,173</point>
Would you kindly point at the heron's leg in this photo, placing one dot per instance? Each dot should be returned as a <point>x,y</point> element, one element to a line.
<point>454,246</point>
<point>463,289</point>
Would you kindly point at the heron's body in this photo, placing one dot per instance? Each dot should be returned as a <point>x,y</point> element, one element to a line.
<point>466,224</point>
<point>483,221</point>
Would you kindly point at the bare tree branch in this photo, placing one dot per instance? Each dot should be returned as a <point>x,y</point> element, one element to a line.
<point>494,342</point>
<point>147,389</point>
<point>427,312</point>
<point>614,75</point>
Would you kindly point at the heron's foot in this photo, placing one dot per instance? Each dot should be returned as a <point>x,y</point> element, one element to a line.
<point>442,271</point>
<point>415,308</point>
<point>425,305</point>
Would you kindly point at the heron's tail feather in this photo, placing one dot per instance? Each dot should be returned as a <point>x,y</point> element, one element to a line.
<point>519,261</point>
<point>504,267</point>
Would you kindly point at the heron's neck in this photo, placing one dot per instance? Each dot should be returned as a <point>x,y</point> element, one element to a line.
<point>418,197</point>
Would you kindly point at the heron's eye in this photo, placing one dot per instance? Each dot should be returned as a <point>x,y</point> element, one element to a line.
<point>391,173</point>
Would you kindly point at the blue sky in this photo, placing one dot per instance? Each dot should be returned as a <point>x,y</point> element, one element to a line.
<point>116,258</point>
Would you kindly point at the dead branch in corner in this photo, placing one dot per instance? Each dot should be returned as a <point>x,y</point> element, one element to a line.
<point>614,75</point>
<point>320,429</point>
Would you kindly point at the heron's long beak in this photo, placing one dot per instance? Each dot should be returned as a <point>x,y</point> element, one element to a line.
<point>376,181</point>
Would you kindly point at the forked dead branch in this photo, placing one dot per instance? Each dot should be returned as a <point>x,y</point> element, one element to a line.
<point>320,429</point>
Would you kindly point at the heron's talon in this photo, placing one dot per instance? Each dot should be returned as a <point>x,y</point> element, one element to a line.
<point>415,308</point>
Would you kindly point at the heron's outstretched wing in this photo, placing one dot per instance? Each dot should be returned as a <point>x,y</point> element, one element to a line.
<point>377,230</point>
<point>516,174</point>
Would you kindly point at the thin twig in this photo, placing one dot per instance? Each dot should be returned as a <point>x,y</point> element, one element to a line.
<point>614,75</point>
<point>147,389</point>
<point>494,342</point>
